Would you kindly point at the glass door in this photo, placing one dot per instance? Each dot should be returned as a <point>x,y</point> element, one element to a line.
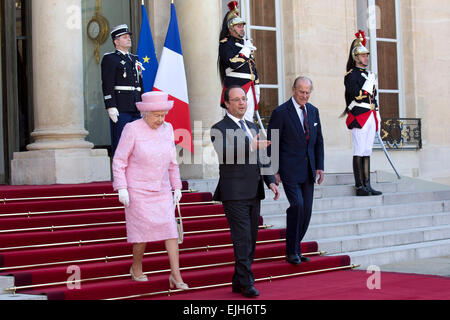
<point>112,13</point>
<point>16,83</point>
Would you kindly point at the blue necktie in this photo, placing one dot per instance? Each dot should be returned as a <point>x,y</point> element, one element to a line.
<point>245,129</point>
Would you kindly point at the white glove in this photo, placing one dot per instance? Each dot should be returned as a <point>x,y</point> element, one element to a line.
<point>246,51</point>
<point>370,83</point>
<point>250,45</point>
<point>113,114</point>
<point>124,197</point>
<point>177,196</point>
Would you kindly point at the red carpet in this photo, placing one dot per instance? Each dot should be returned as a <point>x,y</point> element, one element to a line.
<point>41,238</point>
<point>341,285</point>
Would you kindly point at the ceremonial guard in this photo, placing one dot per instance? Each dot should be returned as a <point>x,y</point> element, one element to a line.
<point>362,112</point>
<point>236,60</point>
<point>122,83</point>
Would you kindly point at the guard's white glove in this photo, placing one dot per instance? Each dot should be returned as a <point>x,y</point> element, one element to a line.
<point>250,45</point>
<point>371,81</point>
<point>177,195</point>
<point>124,197</point>
<point>246,51</point>
<point>113,114</point>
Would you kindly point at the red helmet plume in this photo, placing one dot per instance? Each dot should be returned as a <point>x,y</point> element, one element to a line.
<point>361,35</point>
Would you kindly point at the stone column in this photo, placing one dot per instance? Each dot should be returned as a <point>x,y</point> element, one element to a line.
<point>60,154</point>
<point>200,22</point>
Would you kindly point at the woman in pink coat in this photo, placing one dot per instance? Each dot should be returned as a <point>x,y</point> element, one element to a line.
<point>145,173</point>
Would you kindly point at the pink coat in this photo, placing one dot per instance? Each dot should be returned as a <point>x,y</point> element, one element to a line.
<point>146,158</point>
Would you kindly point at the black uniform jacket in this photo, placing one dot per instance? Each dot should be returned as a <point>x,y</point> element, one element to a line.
<point>359,102</point>
<point>231,59</point>
<point>121,70</point>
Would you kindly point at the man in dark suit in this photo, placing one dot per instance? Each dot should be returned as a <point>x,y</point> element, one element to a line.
<point>241,187</point>
<point>301,161</point>
<point>122,83</point>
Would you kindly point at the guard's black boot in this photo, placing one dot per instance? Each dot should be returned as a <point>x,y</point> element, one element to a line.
<point>366,169</point>
<point>361,190</point>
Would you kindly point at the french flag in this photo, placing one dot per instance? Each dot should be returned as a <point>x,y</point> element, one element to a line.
<point>171,79</point>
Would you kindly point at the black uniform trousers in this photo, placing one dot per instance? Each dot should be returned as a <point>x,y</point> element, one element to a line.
<point>243,217</point>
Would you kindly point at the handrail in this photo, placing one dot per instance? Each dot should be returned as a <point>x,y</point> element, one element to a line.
<point>85,242</point>
<point>42,285</point>
<point>29,214</point>
<point>107,259</point>
<point>99,224</point>
<point>270,278</point>
<point>98,195</point>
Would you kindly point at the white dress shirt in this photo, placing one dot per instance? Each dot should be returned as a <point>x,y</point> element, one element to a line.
<point>236,120</point>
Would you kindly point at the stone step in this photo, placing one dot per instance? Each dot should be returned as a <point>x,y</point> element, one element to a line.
<point>274,217</point>
<point>22,297</point>
<point>331,179</point>
<point>383,239</point>
<point>361,227</point>
<point>6,282</point>
<point>337,191</point>
<point>274,212</point>
<point>395,254</point>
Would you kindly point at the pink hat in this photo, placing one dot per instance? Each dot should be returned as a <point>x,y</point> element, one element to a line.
<point>155,101</point>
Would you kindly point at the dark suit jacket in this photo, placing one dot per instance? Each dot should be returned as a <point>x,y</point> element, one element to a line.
<point>295,153</point>
<point>240,169</point>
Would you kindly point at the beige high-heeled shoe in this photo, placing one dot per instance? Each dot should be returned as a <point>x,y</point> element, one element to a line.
<point>178,285</point>
<point>141,278</point>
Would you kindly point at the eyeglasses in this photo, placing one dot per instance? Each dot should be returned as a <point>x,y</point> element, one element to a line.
<point>239,100</point>
<point>302,92</point>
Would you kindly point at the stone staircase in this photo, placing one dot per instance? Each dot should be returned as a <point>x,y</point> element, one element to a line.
<point>410,221</point>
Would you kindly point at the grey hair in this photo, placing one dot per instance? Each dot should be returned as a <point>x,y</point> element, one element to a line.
<point>303,79</point>
<point>145,114</point>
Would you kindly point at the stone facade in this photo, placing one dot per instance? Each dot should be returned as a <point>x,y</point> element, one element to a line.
<point>316,40</point>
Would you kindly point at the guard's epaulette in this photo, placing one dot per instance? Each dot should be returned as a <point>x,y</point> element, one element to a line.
<point>351,70</point>
<point>108,53</point>
<point>224,40</point>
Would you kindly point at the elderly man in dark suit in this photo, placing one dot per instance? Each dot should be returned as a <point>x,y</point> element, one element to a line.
<point>301,161</point>
<point>241,189</point>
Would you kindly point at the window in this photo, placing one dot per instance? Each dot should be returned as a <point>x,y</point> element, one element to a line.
<point>381,21</point>
<point>263,19</point>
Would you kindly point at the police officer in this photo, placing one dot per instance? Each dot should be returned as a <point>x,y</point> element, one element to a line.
<point>122,83</point>
<point>236,60</point>
<point>363,116</point>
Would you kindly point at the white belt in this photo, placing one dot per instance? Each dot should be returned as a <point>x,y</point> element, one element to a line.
<point>361,105</point>
<point>239,75</point>
<point>120,88</point>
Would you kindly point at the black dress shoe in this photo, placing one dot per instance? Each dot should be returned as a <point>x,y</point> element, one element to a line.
<point>250,292</point>
<point>304,259</point>
<point>293,259</point>
<point>236,289</point>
